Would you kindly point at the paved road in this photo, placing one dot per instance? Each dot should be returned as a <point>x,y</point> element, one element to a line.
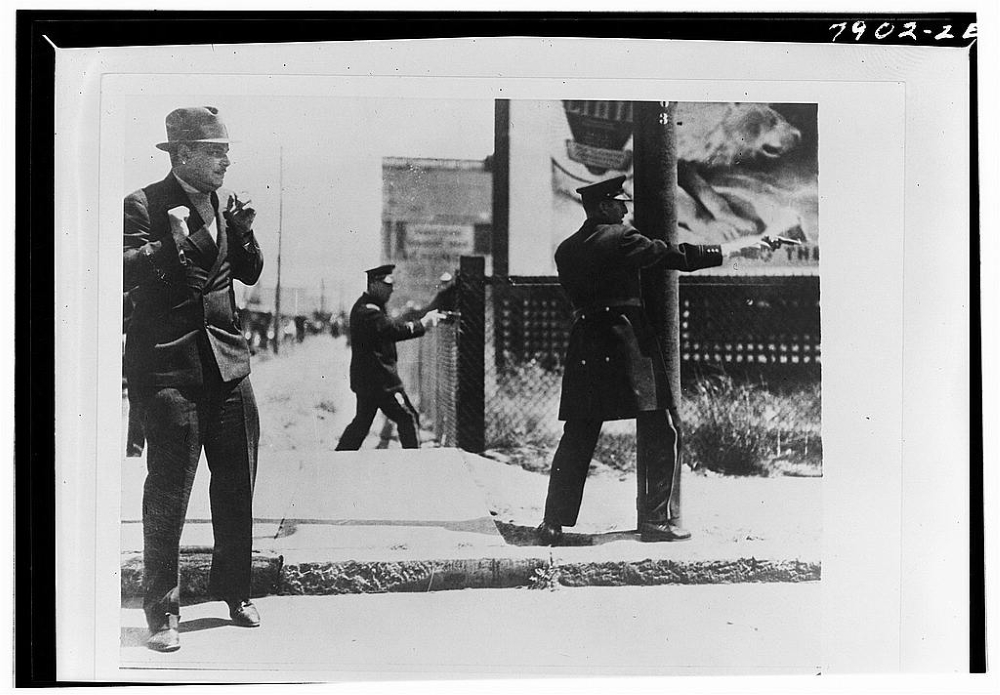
<point>737,628</point>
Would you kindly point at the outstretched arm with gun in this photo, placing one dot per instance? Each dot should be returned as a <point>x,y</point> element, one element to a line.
<point>758,241</point>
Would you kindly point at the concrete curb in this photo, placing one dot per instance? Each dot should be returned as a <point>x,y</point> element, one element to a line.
<point>272,576</point>
<point>318,578</point>
<point>195,566</point>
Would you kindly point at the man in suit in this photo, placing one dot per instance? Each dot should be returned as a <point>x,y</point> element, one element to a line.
<point>614,364</point>
<point>186,239</point>
<point>374,378</point>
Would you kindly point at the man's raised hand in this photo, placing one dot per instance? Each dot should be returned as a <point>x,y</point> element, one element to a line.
<point>239,215</point>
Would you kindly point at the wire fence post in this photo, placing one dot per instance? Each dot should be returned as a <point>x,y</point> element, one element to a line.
<point>471,401</point>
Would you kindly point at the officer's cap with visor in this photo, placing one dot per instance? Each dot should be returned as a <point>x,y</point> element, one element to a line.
<point>382,272</point>
<point>610,189</point>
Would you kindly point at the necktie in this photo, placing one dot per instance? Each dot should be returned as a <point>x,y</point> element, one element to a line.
<point>203,204</point>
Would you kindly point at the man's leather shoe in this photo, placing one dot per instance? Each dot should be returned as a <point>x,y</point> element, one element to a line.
<point>665,532</point>
<point>165,636</point>
<point>549,533</point>
<point>244,614</point>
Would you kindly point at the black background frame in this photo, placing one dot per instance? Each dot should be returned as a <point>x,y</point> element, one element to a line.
<point>38,31</point>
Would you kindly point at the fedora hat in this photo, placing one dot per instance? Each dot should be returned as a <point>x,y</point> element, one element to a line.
<point>194,124</point>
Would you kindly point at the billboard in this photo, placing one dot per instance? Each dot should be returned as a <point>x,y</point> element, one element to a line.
<point>743,168</point>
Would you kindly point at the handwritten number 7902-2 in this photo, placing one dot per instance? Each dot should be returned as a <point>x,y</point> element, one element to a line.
<point>909,31</point>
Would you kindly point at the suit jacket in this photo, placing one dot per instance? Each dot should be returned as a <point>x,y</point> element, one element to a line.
<point>374,335</point>
<point>614,363</point>
<point>184,320</point>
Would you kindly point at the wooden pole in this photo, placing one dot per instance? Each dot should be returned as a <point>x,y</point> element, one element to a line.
<point>277,285</point>
<point>654,187</point>
<point>470,391</point>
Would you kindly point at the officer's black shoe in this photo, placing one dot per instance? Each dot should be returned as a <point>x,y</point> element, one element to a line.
<point>244,614</point>
<point>165,636</point>
<point>549,533</point>
<point>665,532</point>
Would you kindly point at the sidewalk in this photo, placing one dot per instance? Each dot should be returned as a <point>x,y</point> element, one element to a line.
<point>392,520</point>
<point>744,629</point>
<point>382,520</point>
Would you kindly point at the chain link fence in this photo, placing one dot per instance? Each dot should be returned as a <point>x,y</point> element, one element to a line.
<point>750,372</point>
<point>429,370</point>
<point>526,331</point>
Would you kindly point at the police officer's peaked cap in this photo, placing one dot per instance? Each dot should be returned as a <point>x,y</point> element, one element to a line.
<point>380,272</point>
<point>610,189</point>
<point>194,124</point>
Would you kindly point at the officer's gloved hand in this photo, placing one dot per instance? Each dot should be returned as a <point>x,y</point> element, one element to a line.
<point>431,318</point>
<point>239,216</point>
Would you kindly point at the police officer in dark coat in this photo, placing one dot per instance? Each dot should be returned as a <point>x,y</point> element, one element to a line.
<point>374,378</point>
<point>614,363</point>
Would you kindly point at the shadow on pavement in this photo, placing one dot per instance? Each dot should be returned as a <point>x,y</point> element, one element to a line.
<point>526,535</point>
<point>134,636</point>
<point>137,636</point>
<point>203,624</point>
<point>483,525</point>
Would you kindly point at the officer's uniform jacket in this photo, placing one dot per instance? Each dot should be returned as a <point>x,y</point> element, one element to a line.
<point>374,335</point>
<point>614,365</point>
<point>184,319</point>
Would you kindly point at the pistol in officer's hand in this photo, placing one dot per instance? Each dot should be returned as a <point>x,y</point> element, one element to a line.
<point>775,243</point>
<point>431,318</point>
<point>761,242</point>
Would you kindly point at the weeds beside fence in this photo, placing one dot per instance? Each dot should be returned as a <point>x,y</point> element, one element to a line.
<point>751,402</point>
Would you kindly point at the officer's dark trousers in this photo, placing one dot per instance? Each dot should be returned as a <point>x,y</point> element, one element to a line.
<point>658,442</point>
<point>222,418</point>
<point>396,406</point>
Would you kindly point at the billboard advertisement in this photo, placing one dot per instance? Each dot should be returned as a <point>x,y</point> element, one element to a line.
<point>742,168</point>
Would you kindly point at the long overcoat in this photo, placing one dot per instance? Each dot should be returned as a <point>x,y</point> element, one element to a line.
<point>374,335</point>
<point>184,317</point>
<point>614,364</point>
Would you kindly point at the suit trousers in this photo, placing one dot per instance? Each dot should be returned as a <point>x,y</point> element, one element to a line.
<point>658,446</point>
<point>222,418</point>
<point>396,406</point>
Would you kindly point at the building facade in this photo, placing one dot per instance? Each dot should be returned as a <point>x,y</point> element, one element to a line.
<point>433,212</point>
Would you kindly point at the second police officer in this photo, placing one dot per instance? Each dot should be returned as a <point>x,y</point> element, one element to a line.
<point>374,378</point>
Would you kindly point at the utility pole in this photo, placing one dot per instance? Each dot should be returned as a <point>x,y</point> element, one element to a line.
<point>500,214</point>
<point>654,186</point>
<point>470,402</point>
<point>277,285</point>
<point>656,216</point>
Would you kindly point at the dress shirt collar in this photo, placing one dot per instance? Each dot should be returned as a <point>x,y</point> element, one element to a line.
<point>189,189</point>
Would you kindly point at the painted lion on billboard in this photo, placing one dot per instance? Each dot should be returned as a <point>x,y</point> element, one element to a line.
<point>741,169</point>
<point>729,176</point>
